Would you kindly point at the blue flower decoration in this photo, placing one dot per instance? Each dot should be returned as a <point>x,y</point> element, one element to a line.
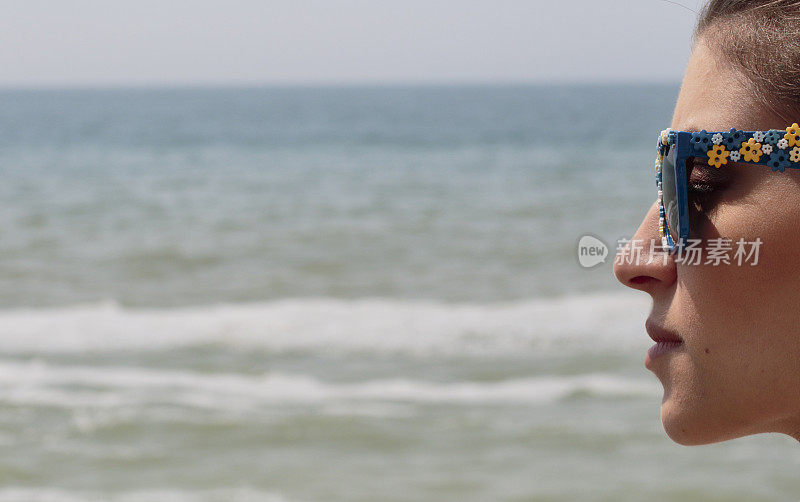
<point>701,141</point>
<point>773,136</point>
<point>778,161</point>
<point>733,139</point>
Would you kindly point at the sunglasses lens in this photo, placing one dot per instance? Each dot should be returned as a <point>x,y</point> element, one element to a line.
<point>669,190</point>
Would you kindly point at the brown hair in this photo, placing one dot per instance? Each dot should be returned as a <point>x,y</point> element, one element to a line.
<point>762,38</point>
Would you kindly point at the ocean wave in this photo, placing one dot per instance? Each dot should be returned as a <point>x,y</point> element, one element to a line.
<point>590,322</point>
<point>69,386</point>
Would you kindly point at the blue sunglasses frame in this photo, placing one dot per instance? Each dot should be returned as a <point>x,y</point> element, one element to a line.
<point>779,149</point>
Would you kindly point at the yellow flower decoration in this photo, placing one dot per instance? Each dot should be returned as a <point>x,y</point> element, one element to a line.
<point>718,155</point>
<point>794,154</point>
<point>793,134</point>
<point>751,151</point>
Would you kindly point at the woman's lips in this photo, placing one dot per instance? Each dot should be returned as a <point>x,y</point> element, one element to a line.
<point>666,342</point>
<point>659,334</point>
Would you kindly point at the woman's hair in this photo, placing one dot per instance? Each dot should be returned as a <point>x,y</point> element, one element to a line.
<point>761,38</point>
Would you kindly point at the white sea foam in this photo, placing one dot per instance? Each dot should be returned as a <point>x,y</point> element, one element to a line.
<point>39,384</point>
<point>600,321</point>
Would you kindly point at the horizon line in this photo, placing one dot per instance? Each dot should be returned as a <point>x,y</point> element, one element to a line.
<point>323,84</point>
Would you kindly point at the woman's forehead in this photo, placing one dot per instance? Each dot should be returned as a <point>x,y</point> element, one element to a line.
<point>716,97</point>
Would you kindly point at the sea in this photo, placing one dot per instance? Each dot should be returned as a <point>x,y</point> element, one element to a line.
<point>299,294</point>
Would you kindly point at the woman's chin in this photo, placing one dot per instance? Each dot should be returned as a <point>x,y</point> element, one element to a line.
<point>679,429</point>
<point>688,425</point>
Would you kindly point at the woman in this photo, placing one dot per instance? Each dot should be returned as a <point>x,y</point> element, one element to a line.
<point>728,351</point>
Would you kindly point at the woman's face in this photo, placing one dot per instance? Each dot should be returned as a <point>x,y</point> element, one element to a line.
<point>737,370</point>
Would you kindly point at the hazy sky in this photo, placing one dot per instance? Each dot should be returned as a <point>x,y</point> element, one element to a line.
<point>98,42</point>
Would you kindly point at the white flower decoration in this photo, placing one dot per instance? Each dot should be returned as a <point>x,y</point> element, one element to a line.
<point>665,136</point>
<point>717,139</point>
<point>783,144</point>
<point>766,149</point>
<point>735,156</point>
<point>759,136</point>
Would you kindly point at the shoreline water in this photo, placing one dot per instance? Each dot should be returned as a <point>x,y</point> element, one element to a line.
<point>335,294</point>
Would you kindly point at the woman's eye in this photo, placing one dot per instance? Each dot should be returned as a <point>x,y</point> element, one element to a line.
<point>700,188</point>
<point>700,195</point>
<point>704,187</point>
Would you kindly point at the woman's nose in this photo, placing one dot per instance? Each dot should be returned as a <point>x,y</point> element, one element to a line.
<point>642,263</point>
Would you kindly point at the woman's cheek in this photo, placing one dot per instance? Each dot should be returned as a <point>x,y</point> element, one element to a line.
<point>749,313</point>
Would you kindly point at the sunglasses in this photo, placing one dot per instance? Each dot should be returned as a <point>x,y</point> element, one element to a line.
<point>779,149</point>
